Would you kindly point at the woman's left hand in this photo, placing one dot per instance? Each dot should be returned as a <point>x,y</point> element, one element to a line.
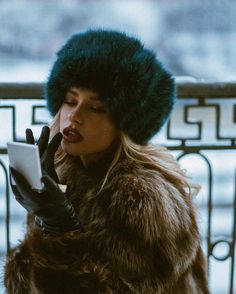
<point>47,154</point>
<point>46,150</point>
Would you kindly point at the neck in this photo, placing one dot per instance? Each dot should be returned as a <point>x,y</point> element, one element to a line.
<point>89,159</point>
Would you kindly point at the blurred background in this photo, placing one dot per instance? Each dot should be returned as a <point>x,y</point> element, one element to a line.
<point>195,39</point>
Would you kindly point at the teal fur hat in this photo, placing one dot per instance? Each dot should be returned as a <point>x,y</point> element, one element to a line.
<point>137,90</point>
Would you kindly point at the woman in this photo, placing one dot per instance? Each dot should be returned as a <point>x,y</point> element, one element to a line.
<point>126,223</point>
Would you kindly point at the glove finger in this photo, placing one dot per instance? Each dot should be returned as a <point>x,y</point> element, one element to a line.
<point>29,137</point>
<point>54,144</point>
<point>48,157</point>
<point>43,140</point>
<point>50,185</point>
<point>14,188</point>
<point>54,176</point>
<point>22,184</point>
<point>28,198</point>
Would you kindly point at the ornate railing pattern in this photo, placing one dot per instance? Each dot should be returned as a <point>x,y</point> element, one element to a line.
<point>203,121</point>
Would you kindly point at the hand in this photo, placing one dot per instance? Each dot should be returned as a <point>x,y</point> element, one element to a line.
<point>46,150</point>
<point>53,210</point>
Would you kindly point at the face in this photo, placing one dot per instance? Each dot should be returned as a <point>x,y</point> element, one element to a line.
<point>86,126</point>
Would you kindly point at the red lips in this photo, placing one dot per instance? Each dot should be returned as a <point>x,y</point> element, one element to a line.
<point>71,135</point>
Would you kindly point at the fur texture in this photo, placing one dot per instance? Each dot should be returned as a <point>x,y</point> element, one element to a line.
<point>130,80</point>
<point>139,236</point>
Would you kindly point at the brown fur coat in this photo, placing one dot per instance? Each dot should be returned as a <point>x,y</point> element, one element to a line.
<point>139,236</point>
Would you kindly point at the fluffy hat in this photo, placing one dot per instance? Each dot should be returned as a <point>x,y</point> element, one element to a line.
<point>134,86</point>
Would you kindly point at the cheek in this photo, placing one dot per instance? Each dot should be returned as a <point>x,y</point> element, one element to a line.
<point>106,134</point>
<point>63,118</point>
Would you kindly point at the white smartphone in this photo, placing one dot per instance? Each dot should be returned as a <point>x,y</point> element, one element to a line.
<point>25,159</point>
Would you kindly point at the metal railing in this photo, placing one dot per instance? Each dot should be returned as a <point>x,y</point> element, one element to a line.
<point>203,121</point>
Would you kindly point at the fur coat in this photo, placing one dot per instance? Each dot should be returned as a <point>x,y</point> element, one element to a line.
<point>139,235</point>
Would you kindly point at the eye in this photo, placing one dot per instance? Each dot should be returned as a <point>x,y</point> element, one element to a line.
<point>70,103</point>
<point>98,109</point>
<point>70,99</point>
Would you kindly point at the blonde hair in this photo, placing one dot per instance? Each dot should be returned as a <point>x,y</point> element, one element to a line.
<point>153,157</point>
<point>156,158</point>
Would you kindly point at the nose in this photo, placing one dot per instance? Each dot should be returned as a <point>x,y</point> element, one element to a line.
<point>76,115</point>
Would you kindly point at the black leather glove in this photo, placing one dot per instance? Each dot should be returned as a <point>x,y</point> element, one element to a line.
<point>53,210</point>
<point>46,150</point>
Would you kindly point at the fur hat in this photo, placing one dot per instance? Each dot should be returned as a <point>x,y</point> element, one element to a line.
<point>134,86</point>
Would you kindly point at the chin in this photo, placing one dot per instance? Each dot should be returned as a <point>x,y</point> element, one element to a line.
<point>70,149</point>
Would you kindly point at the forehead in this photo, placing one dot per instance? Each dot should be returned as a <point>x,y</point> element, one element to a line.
<point>84,93</point>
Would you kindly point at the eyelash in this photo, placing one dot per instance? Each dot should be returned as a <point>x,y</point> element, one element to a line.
<point>94,109</point>
<point>98,110</point>
<point>69,103</point>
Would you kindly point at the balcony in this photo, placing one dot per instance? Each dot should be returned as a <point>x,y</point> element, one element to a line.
<point>201,134</point>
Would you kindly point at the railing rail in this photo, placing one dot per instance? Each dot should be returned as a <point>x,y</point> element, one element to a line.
<point>184,89</point>
<point>203,121</point>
